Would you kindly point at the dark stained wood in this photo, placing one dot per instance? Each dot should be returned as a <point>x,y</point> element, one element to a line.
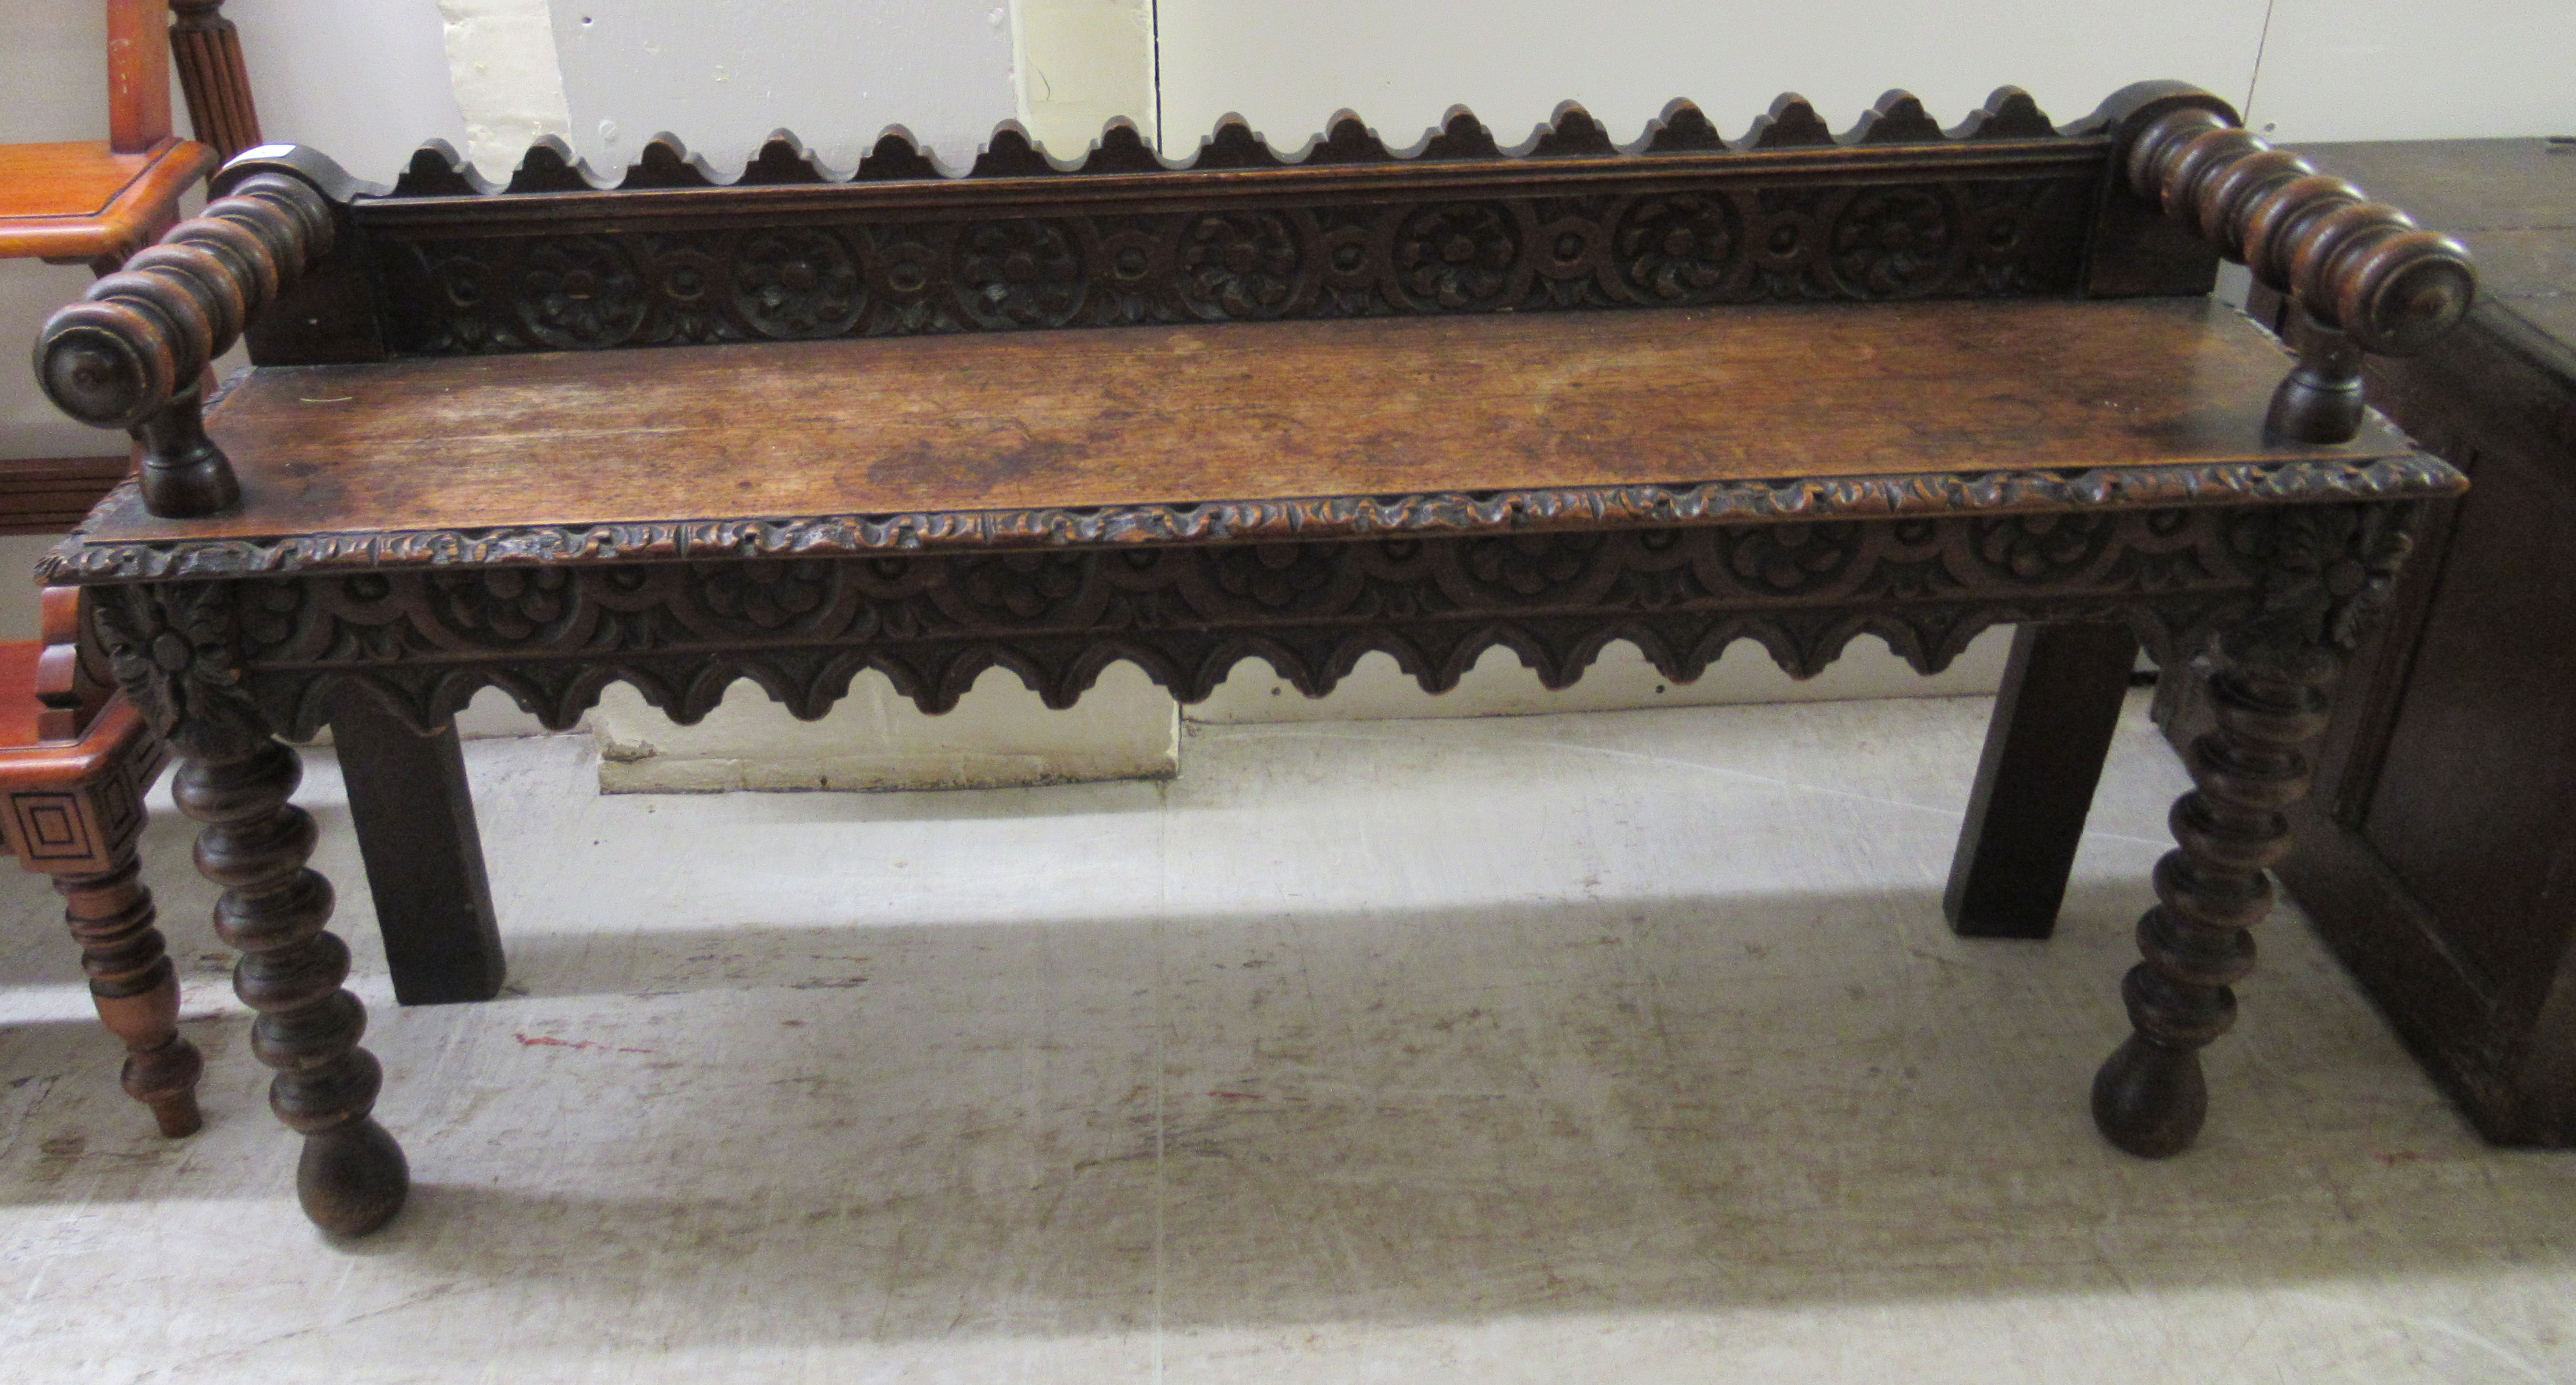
<point>414,816</point>
<point>677,434</point>
<point>1340,228</point>
<point>1185,416</point>
<point>2362,274</point>
<point>135,353</point>
<point>2434,859</point>
<point>2052,725</point>
<point>352,1177</point>
<point>2271,686</point>
<point>50,495</point>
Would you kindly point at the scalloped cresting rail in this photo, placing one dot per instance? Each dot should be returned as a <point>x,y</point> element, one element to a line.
<point>1791,123</point>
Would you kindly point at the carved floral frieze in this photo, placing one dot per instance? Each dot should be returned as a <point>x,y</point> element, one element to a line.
<point>1654,247</point>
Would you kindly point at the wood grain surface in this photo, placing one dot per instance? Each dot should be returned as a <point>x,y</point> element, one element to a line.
<point>72,178</point>
<point>1186,415</point>
<point>81,200</point>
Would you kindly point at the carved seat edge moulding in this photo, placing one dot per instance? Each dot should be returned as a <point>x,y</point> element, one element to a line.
<point>424,641</point>
<point>84,559</point>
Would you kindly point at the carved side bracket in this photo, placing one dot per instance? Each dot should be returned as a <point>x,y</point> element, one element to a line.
<point>133,353</point>
<point>2365,276</point>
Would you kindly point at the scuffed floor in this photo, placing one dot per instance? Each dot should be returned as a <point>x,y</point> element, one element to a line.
<point>1622,1047</point>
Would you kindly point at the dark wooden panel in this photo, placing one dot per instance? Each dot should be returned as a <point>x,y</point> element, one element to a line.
<point>2439,855</point>
<point>50,495</point>
<point>1248,410</point>
<point>2474,797</point>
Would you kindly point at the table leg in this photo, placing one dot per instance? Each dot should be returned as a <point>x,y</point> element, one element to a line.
<point>414,813</point>
<point>134,987</point>
<point>2051,731</point>
<point>352,1177</point>
<point>2149,1098</point>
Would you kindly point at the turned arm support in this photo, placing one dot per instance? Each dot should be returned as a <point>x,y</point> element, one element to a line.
<point>2365,277</point>
<point>133,352</point>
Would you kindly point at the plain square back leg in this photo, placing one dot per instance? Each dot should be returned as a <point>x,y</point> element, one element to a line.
<point>2051,731</point>
<point>414,815</point>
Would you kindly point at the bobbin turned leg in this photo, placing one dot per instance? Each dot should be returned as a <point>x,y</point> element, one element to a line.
<point>2149,1098</point>
<point>135,988</point>
<point>352,1177</point>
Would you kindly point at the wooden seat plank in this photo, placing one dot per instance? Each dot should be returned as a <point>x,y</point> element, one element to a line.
<point>1244,411</point>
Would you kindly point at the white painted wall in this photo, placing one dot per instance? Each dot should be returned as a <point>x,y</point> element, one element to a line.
<point>836,72</point>
<point>364,81</point>
<point>1402,63</point>
<point>2417,69</point>
<point>2324,70</point>
<point>1079,64</point>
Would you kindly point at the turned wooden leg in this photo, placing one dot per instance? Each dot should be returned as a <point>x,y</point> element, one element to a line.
<point>352,1177</point>
<point>2149,1098</point>
<point>2051,731</point>
<point>135,988</point>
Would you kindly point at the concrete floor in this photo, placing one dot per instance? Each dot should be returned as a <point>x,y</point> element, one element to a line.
<point>1618,1047</point>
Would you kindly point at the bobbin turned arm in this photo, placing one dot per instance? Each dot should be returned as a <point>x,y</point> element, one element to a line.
<point>2365,277</point>
<point>133,352</point>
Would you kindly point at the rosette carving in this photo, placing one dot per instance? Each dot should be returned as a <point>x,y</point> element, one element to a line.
<point>1135,263</point>
<point>1021,586</point>
<point>2043,547</point>
<point>799,282</point>
<point>171,648</point>
<point>1243,264</point>
<point>1020,274</point>
<point>687,279</point>
<point>506,604</point>
<point>1893,242</point>
<point>1678,248</point>
<point>1458,256</point>
<point>579,293</point>
<point>768,594</point>
<point>2329,571</point>
<point>1273,576</point>
<point>1793,559</point>
<point>1533,567</point>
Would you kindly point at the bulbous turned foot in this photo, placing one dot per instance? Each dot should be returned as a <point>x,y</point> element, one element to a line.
<point>165,1080</point>
<point>135,989</point>
<point>2150,1099</point>
<point>352,1177</point>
